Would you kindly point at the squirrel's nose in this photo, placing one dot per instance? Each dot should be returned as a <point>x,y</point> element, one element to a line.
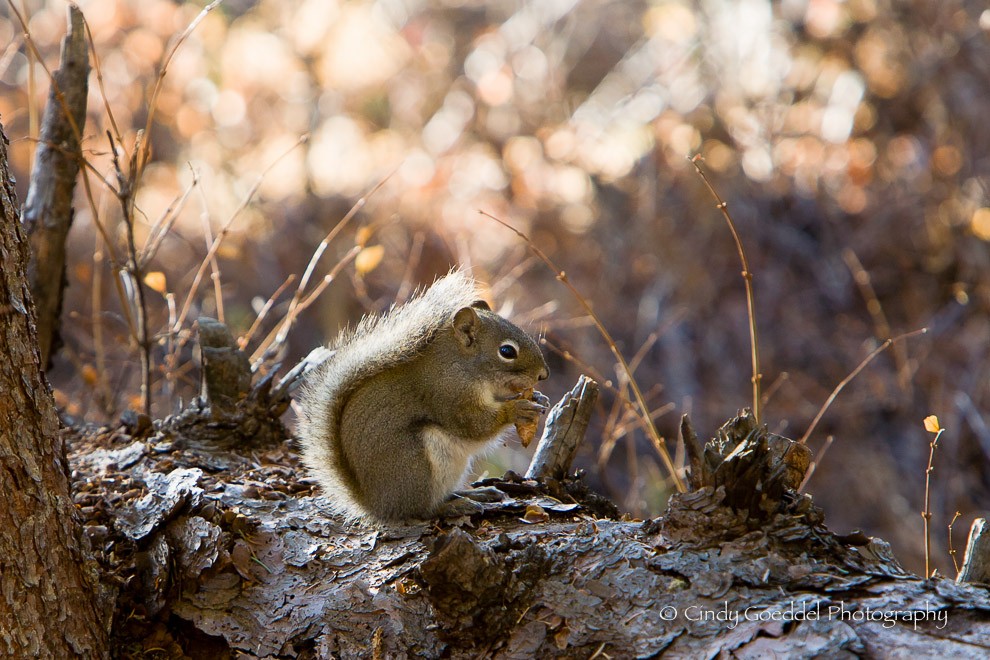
<point>544,374</point>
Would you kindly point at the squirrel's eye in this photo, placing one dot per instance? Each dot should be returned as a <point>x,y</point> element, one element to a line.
<point>508,351</point>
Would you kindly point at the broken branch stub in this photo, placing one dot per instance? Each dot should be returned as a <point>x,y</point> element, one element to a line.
<point>48,209</point>
<point>976,561</point>
<point>755,467</point>
<point>226,375</point>
<point>566,425</point>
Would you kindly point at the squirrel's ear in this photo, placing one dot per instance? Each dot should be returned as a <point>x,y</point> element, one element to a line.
<point>466,325</point>
<point>481,304</point>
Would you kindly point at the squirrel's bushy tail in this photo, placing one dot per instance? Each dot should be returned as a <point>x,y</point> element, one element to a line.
<point>377,343</point>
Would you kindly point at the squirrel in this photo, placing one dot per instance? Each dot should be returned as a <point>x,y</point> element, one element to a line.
<point>391,422</point>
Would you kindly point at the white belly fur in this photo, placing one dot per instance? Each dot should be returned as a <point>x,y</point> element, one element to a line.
<point>450,457</point>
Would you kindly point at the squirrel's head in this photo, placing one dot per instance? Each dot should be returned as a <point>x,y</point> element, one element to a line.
<point>510,359</point>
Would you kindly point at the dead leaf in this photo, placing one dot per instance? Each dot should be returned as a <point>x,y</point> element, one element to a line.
<point>535,514</point>
<point>931,424</point>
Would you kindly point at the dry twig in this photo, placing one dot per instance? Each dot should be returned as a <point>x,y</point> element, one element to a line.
<point>651,429</point>
<point>126,189</point>
<point>855,372</point>
<point>952,551</point>
<point>747,275</point>
<point>880,324</point>
<point>932,426</point>
<point>201,271</point>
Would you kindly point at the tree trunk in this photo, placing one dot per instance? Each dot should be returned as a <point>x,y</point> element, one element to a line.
<point>50,605</point>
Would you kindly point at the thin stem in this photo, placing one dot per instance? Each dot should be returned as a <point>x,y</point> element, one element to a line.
<point>816,462</point>
<point>952,551</point>
<point>214,266</point>
<point>102,385</point>
<point>163,225</point>
<point>882,328</point>
<point>160,81</point>
<point>99,80</point>
<point>926,515</point>
<point>171,357</point>
<point>651,428</point>
<point>278,335</point>
<point>332,234</point>
<point>747,275</point>
<point>855,372</point>
<point>34,124</point>
<point>126,196</point>
<point>204,264</point>
<point>246,339</point>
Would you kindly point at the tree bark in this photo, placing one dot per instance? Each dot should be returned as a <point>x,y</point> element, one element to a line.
<point>50,605</point>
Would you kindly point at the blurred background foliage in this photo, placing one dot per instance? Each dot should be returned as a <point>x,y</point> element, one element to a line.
<point>850,139</point>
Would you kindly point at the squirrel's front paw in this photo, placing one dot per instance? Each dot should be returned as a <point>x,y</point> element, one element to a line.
<point>529,410</point>
<point>541,399</point>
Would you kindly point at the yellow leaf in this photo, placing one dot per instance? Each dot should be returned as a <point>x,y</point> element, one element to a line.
<point>155,281</point>
<point>368,259</point>
<point>363,235</point>
<point>931,424</point>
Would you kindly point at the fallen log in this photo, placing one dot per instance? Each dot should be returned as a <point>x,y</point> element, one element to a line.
<point>221,551</point>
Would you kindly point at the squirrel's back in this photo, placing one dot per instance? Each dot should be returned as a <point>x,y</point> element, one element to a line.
<point>376,344</point>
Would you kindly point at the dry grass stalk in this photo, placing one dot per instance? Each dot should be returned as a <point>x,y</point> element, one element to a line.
<point>99,80</point>
<point>952,551</point>
<point>204,264</point>
<point>276,338</point>
<point>301,299</point>
<point>245,339</point>
<point>778,382</point>
<point>932,426</point>
<point>747,275</point>
<point>816,462</point>
<point>332,234</point>
<point>855,372</point>
<point>875,309</point>
<point>163,225</point>
<point>652,434</point>
<point>160,80</point>
<point>126,189</point>
<point>204,217</point>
